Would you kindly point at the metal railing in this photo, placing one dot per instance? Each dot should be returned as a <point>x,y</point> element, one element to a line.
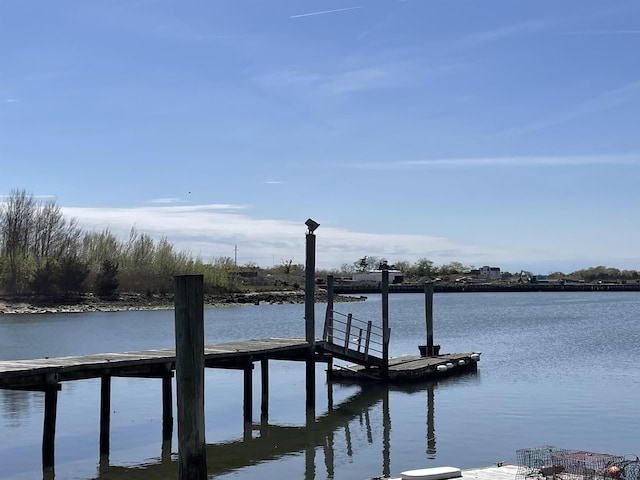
<point>354,334</point>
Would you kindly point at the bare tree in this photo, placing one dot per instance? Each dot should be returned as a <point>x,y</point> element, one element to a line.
<point>17,214</point>
<point>53,236</point>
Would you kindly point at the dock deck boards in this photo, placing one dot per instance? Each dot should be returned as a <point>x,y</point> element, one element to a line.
<point>34,372</point>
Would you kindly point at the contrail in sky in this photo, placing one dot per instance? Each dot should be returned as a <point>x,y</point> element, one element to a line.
<point>327,11</point>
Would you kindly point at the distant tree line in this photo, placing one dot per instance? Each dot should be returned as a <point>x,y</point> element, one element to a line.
<point>44,253</point>
<point>423,267</point>
<point>41,252</point>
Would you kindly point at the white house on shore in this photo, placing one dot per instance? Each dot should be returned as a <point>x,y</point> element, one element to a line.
<point>490,273</point>
<point>395,276</point>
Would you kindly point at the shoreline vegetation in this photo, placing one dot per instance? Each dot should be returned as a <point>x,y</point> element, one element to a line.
<point>49,264</point>
<point>89,302</point>
<point>38,304</point>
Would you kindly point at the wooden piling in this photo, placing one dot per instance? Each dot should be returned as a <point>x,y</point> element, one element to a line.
<point>247,406</point>
<point>105,414</point>
<point>309,317</point>
<point>49,430</point>
<point>167,405</point>
<point>385,323</point>
<point>264,399</point>
<point>189,328</point>
<point>428,308</point>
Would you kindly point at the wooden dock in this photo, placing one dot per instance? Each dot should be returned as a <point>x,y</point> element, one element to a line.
<point>345,337</point>
<point>412,368</point>
<point>37,374</point>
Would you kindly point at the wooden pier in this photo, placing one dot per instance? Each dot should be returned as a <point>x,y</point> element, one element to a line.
<point>344,337</point>
<point>48,374</point>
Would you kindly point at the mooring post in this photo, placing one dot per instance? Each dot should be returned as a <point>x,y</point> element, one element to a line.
<point>105,414</point>
<point>189,327</point>
<point>385,323</point>
<point>49,430</point>
<point>428,308</point>
<point>309,312</point>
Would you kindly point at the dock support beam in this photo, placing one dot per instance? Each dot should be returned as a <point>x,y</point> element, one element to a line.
<point>264,399</point>
<point>247,406</point>
<point>167,406</point>
<point>189,326</point>
<point>49,430</point>
<point>105,414</point>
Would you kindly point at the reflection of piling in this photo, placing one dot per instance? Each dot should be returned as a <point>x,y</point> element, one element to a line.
<point>189,326</point>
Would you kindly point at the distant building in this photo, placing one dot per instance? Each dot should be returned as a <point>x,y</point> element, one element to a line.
<point>490,273</point>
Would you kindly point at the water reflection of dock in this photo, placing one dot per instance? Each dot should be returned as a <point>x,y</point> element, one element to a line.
<point>263,442</point>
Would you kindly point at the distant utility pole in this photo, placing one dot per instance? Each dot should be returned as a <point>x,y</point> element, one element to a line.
<point>235,255</point>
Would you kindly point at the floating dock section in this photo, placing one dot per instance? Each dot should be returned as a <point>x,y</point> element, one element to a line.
<point>408,368</point>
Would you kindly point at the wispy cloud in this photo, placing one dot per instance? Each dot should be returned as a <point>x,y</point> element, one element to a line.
<point>11,100</point>
<point>513,161</point>
<point>601,32</point>
<point>605,101</point>
<point>166,201</point>
<point>358,78</point>
<point>323,12</point>
<point>208,231</point>
<point>507,31</point>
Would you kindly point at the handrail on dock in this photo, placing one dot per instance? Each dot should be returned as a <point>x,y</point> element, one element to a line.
<point>353,334</point>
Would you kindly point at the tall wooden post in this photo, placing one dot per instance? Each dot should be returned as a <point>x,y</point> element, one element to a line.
<point>385,323</point>
<point>428,308</point>
<point>105,414</point>
<point>309,317</point>
<point>189,326</point>
<point>49,430</point>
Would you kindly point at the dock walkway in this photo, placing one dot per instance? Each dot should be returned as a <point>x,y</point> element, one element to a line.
<point>39,373</point>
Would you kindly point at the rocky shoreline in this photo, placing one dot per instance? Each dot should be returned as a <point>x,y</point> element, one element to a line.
<point>134,301</point>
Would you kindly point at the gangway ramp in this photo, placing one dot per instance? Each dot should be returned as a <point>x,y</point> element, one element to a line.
<point>354,340</point>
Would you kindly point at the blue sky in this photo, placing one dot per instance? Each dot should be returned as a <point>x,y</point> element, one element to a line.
<point>503,133</point>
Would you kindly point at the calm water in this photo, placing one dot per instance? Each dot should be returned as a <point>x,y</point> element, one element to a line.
<point>556,368</point>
